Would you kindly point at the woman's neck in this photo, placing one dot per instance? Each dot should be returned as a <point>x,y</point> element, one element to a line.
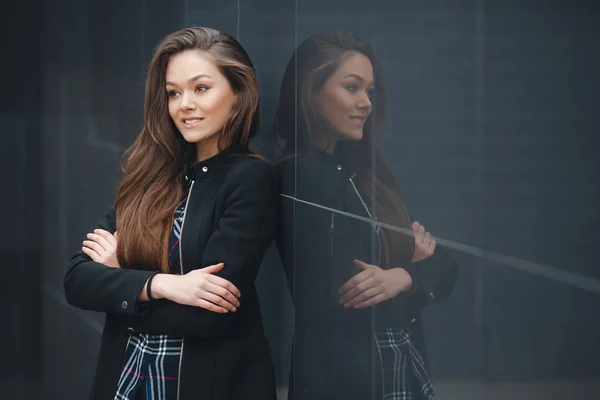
<point>208,148</point>
<point>324,143</point>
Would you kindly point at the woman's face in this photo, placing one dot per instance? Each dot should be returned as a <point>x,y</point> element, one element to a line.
<point>200,99</point>
<point>345,99</point>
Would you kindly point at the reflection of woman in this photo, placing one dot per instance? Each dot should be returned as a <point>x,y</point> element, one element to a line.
<point>194,215</point>
<point>351,280</point>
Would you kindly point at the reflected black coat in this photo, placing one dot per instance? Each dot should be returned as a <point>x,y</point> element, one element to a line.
<point>230,218</point>
<point>334,355</point>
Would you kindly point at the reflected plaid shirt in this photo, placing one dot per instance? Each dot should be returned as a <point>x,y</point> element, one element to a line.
<point>152,361</point>
<point>403,368</point>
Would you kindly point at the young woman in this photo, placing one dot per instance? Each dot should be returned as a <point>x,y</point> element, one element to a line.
<point>359,269</point>
<point>173,264</point>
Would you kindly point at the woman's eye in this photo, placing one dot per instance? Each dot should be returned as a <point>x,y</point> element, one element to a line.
<point>201,88</point>
<point>172,93</point>
<point>352,88</point>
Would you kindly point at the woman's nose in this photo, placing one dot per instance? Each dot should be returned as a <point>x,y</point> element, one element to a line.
<point>187,102</point>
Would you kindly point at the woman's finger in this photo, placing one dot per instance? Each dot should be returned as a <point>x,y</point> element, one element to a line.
<point>364,296</point>
<point>224,283</point>
<point>91,254</point>
<point>106,245</point>
<point>219,301</point>
<point>355,280</point>
<point>94,246</point>
<point>108,236</point>
<point>427,240</point>
<point>372,301</point>
<point>431,247</point>
<point>213,269</point>
<point>222,293</point>
<point>356,290</point>
<point>420,234</point>
<point>362,265</point>
<point>207,305</point>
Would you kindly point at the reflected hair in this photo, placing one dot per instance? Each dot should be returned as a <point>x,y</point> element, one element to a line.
<point>151,186</point>
<point>311,65</point>
<point>299,121</point>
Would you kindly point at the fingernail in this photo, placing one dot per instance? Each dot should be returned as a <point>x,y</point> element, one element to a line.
<point>225,311</point>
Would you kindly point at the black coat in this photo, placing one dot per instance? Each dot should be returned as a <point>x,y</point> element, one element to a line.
<point>318,238</point>
<point>230,218</point>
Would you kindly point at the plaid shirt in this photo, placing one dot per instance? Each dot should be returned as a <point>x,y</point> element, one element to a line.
<point>152,361</point>
<point>403,368</point>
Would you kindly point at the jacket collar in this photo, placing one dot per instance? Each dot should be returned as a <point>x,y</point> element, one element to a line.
<point>331,162</point>
<point>214,164</point>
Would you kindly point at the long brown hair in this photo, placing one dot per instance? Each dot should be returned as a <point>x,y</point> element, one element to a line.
<point>151,185</point>
<point>299,120</point>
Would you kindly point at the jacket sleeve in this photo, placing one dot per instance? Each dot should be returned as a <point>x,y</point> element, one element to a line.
<point>96,287</point>
<point>245,231</point>
<point>433,278</point>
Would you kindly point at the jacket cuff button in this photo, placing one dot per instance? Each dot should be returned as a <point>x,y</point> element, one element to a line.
<point>124,305</point>
<point>431,296</point>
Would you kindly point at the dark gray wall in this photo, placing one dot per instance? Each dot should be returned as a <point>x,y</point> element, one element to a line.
<point>493,133</point>
<point>21,236</point>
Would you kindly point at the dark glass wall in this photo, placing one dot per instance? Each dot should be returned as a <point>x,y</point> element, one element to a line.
<point>492,133</point>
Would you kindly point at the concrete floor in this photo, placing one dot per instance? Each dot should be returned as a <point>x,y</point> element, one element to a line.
<point>567,390</point>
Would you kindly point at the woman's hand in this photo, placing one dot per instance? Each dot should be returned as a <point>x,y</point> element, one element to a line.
<point>101,247</point>
<point>198,288</point>
<point>424,245</point>
<point>373,285</point>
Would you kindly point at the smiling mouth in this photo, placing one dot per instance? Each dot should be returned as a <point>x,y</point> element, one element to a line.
<point>192,121</point>
<point>359,120</point>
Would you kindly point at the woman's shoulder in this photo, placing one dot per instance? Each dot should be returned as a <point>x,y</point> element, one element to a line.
<point>307,164</point>
<point>310,177</point>
<point>246,164</point>
<point>249,169</point>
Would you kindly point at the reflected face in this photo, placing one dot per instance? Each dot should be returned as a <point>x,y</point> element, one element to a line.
<point>200,99</point>
<point>345,99</point>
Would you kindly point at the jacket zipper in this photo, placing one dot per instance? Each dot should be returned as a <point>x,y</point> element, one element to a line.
<point>181,269</point>
<point>375,227</point>
<point>331,237</point>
